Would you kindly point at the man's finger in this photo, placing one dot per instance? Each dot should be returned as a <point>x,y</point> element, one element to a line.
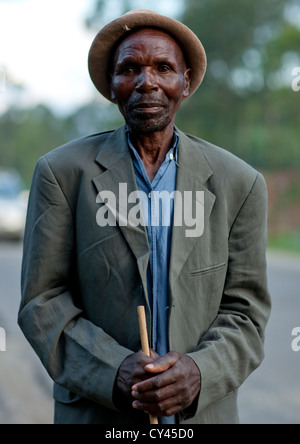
<point>167,407</point>
<point>163,363</point>
<point>153,354</point>
<point>159,381</point>
<point>156,396</point>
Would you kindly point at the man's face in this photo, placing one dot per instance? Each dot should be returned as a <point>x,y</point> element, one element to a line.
<point>149,81</point>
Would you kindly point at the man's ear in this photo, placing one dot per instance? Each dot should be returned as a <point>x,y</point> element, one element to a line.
<point>187,82</point>
<point>112,95</point>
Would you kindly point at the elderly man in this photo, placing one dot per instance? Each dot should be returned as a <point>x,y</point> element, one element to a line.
<point>111,226</point>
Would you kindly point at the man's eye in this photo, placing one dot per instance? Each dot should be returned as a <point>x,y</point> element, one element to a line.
<point>128,69</point>
<point>164,68</point>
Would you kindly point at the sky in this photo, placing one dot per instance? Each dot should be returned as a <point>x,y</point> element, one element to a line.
<point>44,45</point>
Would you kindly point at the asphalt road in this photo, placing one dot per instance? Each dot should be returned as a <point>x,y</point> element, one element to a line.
<point>270,396</point>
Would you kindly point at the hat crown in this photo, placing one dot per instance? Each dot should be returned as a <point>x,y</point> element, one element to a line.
<point>141,11</point>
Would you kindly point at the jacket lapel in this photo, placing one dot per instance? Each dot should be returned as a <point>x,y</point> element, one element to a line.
<point>193,173</point>
<point>119,178</point>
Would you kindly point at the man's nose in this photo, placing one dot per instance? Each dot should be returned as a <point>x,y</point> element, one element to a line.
<point>146,81</point>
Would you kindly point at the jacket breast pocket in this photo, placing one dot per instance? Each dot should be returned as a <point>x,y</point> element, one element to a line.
<point>208,284</point>
<point>207,270</point>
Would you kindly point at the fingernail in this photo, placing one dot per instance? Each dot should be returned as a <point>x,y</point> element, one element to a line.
<point>150,366</point>
<point>135,394</point>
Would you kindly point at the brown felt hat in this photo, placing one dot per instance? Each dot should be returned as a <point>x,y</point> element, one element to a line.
<point>107,38</point>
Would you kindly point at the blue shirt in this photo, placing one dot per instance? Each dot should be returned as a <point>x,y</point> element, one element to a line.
<point>157,204</point>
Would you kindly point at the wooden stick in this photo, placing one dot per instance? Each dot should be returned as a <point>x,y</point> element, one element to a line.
<point>145,344</point>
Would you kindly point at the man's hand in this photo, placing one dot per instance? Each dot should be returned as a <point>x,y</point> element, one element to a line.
<point>173,386</point>
<point>131,372</point>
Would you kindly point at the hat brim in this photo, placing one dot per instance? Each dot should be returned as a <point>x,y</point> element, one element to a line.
<point>106,39</point>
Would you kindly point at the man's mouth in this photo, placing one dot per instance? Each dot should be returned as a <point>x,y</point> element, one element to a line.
<point>148,107</point>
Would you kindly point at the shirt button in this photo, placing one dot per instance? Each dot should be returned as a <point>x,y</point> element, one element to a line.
<point>171,156</point>
<point>150,195</point>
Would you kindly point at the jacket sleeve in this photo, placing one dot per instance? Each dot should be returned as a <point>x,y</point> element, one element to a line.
<point>233,346</point>
<point>78,355</point>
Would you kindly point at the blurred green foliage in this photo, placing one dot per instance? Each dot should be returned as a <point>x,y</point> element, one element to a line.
<point>288,241</point>
<point>27,134</point>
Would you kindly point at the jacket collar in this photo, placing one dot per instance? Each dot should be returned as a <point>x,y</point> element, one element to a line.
<point>114,148</point>
<point>191,159</point>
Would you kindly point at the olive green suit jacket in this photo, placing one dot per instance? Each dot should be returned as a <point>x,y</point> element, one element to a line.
<point>82,283</point>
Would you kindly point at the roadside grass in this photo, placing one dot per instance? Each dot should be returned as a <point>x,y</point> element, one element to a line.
<point>289,242</point>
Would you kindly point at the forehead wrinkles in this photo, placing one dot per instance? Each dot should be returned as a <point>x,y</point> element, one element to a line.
<point>149,42</point>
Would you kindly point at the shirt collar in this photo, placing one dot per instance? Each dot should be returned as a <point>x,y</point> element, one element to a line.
<point>172,154</point>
